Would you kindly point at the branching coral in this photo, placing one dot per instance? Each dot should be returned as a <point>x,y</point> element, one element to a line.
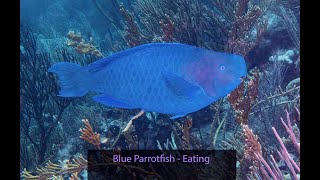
<point>291,131</point>
<point>280,94</point>
<point>82,47</point>
<point>132,32</point>
<point>185,128</point>
<point>220,124</point>
<point>238,19</point>
<point>169,145</point>
<point>246,16</point>
<point>259,167</point>
<point>292,26</point>
<point>94,138</point>
<point>216,122</point>
<point>293,166</point>
<point>243,98</point>
<point>251,156</point>
<point>194,23</point>
<point>89,135</point>
<point>271,169</point>
<point>41,110</point>
<point>252,148</point>
<point>127,132</point>
<point>68,168</point>
<point>74,176</point>
<point>274,96</point>
<point>235,142</point>
<point>167,27</point>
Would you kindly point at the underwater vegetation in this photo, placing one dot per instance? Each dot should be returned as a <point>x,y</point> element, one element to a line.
<point>260,119</point>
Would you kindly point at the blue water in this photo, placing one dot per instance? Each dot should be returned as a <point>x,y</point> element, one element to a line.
<point>85,31</point>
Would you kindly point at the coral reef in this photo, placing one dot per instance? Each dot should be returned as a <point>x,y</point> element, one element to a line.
<point>132,33</point>
<point>243,98</point>
<point>43,114</point>
<point>246,17</point>
<point>254,160</point>
<point>293,165</point>
<point>57,171</point>
<point>167,28</point>
<point>42,111</point>
<point>248,120</point>
<point>187,21</point>
<point>286,57</point>
<point>88,135</point>
<point>251,150</point>
<point>79,44</point>
<point>184,127</point>
<point>292,25</point>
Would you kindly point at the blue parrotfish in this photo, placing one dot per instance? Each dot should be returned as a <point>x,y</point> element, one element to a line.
<point>169,78</point>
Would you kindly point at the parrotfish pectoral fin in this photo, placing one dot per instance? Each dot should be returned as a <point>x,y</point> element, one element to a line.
<point>178,115</point>
<point>110,101</point>
<point>179,86</point>
<point>71,79</point>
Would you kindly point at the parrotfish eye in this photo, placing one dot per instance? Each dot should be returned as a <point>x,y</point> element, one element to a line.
<point>222,67</point>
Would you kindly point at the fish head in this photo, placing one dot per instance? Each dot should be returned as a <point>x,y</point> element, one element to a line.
<point>219,73</point>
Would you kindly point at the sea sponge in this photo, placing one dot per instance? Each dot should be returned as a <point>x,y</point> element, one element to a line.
<point>280,56</point>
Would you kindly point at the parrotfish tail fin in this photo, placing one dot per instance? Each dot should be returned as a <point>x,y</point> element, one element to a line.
<point>71,79</point>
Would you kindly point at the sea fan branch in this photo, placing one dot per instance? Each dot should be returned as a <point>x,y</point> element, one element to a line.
<point>89,135</point>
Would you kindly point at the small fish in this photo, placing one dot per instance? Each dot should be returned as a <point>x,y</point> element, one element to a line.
<point>169,78</point>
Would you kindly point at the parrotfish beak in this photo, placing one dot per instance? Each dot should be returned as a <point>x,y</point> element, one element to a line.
<point>243,74</point>
<point>241,67</point>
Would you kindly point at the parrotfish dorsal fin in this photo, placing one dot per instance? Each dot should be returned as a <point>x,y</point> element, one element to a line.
<point>179,86</point>
<point>110,101</point>
<point>97,65</point>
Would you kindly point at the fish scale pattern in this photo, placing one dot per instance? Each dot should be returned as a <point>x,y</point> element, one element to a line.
<point>138,80</point>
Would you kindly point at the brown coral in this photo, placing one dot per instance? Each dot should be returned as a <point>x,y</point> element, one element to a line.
<point>132,33</point>
<point>76,40</point>
<point>74,176</point>
<point>246,17</point>
<point>185,128</point>
<point>266,170</point>
<point>252,153</point>
<point>243,98</point>
<point>252,146</point>
<point>89,135</point>
<point>167,28</point>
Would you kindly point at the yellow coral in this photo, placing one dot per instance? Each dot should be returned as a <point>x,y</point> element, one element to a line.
<point>81,46</point>
<point>56,171</point>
